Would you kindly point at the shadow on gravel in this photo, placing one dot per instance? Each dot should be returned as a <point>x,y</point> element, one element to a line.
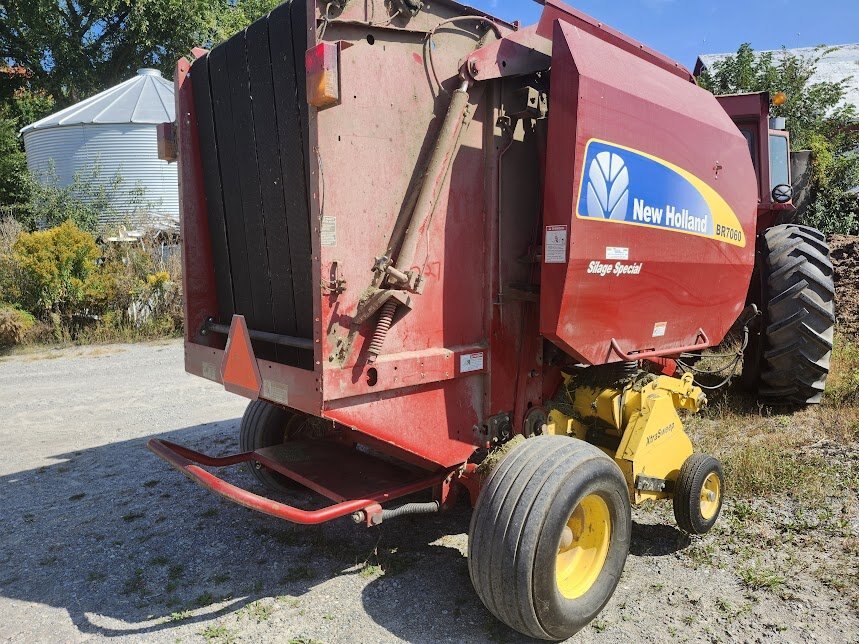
<point>127,546</point>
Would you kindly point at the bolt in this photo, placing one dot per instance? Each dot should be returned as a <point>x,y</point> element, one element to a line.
<point>475,68</point>
<point>358,517</point>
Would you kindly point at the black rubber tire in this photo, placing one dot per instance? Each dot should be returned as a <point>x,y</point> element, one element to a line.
<point>265,425</point>
<point>789,360</point>
<point>687,493</point>
<point>516,529</point>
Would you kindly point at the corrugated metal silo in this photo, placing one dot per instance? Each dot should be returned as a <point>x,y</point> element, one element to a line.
<point>114,131</point>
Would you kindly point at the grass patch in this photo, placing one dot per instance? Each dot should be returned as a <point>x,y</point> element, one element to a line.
<point>368,571</point>
<point>258,611</point>
<point>95,577</point>
<point>175,572</point>
<point>220,634</point>
<point>842,386</point>
<point>204,599</point>
<point>159,560</point>
<point>135,585</point>
<point>757,578</point>
<point>179,616</point>
<point>132,516</point>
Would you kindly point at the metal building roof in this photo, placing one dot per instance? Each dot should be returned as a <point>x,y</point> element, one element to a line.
<point>146,98</point>
<point>839,62</point>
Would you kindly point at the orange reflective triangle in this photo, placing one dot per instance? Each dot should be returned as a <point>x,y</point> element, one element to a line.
<point>239,370</point>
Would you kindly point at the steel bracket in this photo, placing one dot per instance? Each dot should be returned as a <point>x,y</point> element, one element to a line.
<point>375,300</point>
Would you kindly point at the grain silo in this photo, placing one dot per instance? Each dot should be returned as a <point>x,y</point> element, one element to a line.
<point>108,135</point>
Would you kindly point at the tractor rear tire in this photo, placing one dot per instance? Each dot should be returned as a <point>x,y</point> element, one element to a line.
<point>265,425</point>
<point>788,361</point>
<point>549,536</point>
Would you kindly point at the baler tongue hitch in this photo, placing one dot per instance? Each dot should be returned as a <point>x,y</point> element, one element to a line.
<point>356,481</point>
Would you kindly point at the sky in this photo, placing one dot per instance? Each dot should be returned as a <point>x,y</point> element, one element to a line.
<point>682,29</point>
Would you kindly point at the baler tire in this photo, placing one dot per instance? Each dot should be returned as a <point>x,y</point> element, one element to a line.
<point>695,514</point>
<point>515,547</point>
<point>792,353</point>
<point>265,425</point>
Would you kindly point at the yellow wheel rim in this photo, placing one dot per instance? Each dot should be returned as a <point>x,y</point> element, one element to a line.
<point>711,496</point>
<point>583,547</point>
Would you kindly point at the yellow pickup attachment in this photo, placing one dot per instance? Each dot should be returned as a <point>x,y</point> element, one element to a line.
<point>638,425</point>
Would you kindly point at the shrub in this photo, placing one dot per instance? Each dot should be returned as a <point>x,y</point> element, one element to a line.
<point>15,325</point>
<point>56,271</point>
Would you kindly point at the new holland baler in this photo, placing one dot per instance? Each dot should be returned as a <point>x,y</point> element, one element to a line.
<point>442,252</point>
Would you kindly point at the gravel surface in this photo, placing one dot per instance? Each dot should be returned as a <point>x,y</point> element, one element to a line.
<point>100,539</point>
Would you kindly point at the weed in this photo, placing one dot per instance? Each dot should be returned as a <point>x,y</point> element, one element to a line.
<point>220,578</point>
<point>369,571</point>
<point>204,599</point>
<point>298,573</point>
<point>211,512</point>
<point>152,483</point>
<point>48,561</point>
<point>303,640</point>
<point>132,516</point>
<point>96,576</point>
<point>220,634</point>
<point>257,611</point>
<point>599,625</point>
<point>179,616</point>
<point>760,578</point>
<point>136,584</point>
<point>159,560</point>
<point>175,572</point>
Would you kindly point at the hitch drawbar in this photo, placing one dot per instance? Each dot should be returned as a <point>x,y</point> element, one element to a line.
<point>357,482</point>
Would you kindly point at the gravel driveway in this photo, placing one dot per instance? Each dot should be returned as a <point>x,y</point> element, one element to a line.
<point>100,539</point>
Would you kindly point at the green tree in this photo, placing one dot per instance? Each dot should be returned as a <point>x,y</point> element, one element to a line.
<point>13,163</point>
<point>817,118</point>
<point>74,48</point>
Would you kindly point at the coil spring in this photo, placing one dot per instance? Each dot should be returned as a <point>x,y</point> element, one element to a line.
<point>383,324</point>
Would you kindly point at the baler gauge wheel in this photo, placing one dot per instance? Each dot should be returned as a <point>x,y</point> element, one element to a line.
<point>561,507</point>
<point>698,494</point>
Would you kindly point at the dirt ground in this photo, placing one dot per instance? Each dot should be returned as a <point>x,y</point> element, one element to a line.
<point>844,250</point>
<point>102,540</point>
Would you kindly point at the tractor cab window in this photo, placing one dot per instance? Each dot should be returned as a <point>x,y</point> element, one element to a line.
<point>779,161</point>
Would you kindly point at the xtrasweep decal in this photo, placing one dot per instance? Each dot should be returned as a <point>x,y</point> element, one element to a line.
<point>623,185</point>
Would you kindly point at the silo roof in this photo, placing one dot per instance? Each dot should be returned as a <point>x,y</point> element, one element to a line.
<point>146,98</point>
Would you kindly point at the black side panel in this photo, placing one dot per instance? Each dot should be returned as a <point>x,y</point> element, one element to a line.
<point>226,144</point>
<point>254,132</point>
<point>248,175</point>
<point>271,178</point>
<point>212,181</point>
<point>287,38</point>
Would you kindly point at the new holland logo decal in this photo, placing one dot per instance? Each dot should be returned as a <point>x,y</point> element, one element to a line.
<point>626,186</point>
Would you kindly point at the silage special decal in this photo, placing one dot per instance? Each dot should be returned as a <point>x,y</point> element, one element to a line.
<point>623,185</point>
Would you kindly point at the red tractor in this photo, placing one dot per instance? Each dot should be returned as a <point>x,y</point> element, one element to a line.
<point>443,253</point>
